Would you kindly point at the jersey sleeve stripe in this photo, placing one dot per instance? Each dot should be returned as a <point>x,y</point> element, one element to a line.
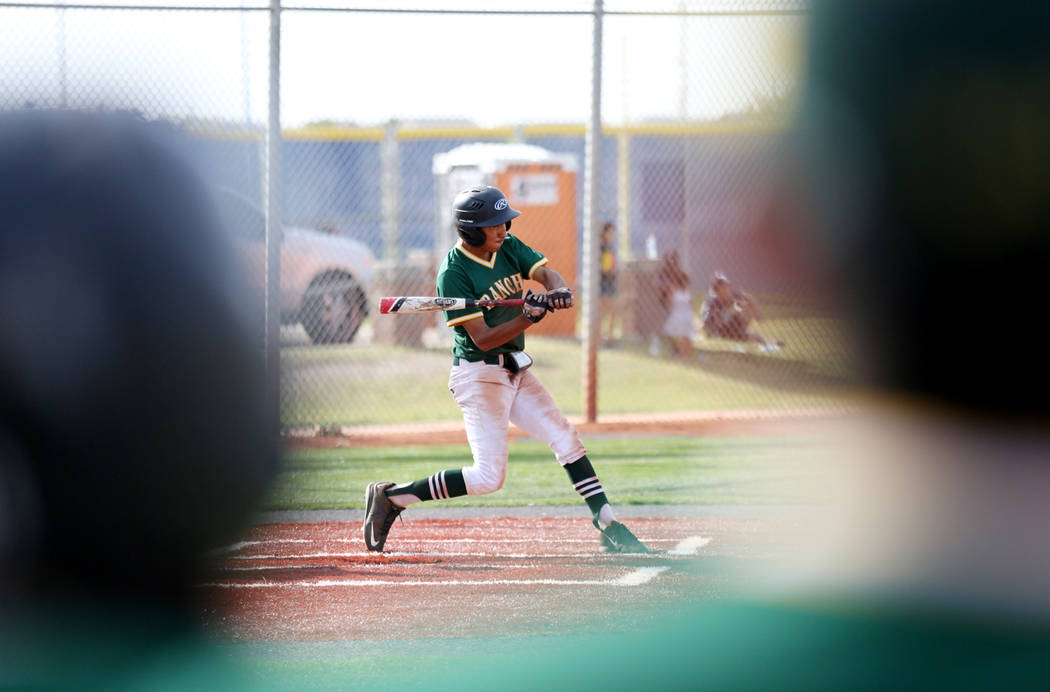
<point>537,266</point>
<point>461,320</point>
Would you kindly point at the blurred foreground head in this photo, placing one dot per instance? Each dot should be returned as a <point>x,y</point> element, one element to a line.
<point>926,140</point>
<point>133,428</point>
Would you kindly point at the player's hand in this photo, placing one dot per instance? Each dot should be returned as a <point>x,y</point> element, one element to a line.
<point>560,298</point>
<point>536,306</point>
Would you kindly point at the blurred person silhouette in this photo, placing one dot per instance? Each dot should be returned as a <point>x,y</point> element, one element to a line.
<point>679,326</point>
<point>134,436</point>
<point>607,289</point>
<point>727,313</point>
<point>923,147</point>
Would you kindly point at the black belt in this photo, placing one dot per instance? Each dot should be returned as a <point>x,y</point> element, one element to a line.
<point>515,361</point>
<point>488,360</point>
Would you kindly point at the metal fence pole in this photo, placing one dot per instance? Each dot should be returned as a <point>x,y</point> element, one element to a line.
<point>592,171</point>
<point>623,194</point>
<point>274,214</point>
<point>623,168</point>
<point>390,188</point>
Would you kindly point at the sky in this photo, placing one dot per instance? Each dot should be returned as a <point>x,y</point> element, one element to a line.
<point>368,68</point>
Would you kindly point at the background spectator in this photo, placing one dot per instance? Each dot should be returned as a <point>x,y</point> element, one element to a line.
<point>607,283</point>
<point>727,313</point>
<point>679,327</point>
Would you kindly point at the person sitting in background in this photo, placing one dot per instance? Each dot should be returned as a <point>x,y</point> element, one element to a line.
<point>677,296</point>
<point>727,313</point>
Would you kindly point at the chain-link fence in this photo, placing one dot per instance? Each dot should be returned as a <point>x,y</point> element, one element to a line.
<point>388,112</point>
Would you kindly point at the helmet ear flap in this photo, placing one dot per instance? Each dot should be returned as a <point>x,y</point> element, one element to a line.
<point>474,237</point>
<point>508,226</point>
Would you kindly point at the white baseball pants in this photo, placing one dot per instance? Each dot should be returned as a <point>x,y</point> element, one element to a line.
<point>491,398</point>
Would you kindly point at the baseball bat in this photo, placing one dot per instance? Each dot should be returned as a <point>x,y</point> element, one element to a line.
<point>399,305</point>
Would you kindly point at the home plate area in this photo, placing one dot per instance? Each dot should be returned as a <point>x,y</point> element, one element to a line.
<point>459,577</point>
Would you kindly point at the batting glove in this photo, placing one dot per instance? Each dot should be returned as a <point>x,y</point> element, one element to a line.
<point>536,306</point>
<point>560,298</point>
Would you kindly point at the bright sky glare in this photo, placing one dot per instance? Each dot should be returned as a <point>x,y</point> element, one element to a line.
<point>368,68</point>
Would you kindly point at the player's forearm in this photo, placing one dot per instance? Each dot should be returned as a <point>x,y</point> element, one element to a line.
<point>550,278</point>
<point>487,338</point>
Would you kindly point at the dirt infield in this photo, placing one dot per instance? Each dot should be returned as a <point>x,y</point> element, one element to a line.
<point>482,576</point>
<point>743,422</point>
<point>490,572</point>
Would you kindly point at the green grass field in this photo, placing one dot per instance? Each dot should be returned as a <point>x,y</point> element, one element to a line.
<point>750,470</point>
<point>362,384</point>
<point>634,470</point>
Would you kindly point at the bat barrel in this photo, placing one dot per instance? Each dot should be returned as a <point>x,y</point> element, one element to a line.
<point>392,305</point>
<point>386,303</point>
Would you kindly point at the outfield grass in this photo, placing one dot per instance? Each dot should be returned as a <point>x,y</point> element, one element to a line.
<point>635,470</point>
<point>361,384</point>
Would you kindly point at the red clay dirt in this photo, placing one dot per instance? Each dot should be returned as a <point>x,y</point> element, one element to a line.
<point>503,576</point>
<point>744,422</point>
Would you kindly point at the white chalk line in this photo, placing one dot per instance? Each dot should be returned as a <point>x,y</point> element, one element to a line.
<point>686,547</point>
<point>640,576</point>
<point>391,582</point>
<point>488,554</point>
<point>689,546</point>
<point>637,577</point>
<point>261,568</point>
<point>240,545</point>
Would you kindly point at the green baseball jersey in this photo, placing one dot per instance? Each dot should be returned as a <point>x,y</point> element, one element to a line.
<point>464,275</point>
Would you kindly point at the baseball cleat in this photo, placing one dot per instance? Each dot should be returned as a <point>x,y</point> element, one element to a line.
<point>380,513</point>
<point>617,538</point>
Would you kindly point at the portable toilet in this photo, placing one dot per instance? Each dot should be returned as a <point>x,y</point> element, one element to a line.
<point>541,185</point>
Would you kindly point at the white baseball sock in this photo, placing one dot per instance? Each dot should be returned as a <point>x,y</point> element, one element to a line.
<point>606,516</point>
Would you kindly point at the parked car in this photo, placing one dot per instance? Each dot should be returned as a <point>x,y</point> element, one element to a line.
<point>324,276</point>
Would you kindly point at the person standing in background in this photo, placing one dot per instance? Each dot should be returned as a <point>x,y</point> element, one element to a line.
<point>676,293</point>
<point>607,283</point>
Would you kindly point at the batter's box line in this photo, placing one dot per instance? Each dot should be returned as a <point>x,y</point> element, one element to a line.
<point>240,545</point>
<point>420,553</point>
<point>359,583</point>
<point>260,568</point>
<point>636,577</point>
<point>687,547</point>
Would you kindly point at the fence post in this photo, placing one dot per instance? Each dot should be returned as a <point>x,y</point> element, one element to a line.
<point>623,193</point>
<point>274,214</point>
<point>592,171</point>
<point>390,177</point>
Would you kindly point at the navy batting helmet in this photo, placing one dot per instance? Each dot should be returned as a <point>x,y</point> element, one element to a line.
<point>480,207</point>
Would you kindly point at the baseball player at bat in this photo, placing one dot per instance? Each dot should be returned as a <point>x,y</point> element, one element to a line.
<point>490,379</point>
